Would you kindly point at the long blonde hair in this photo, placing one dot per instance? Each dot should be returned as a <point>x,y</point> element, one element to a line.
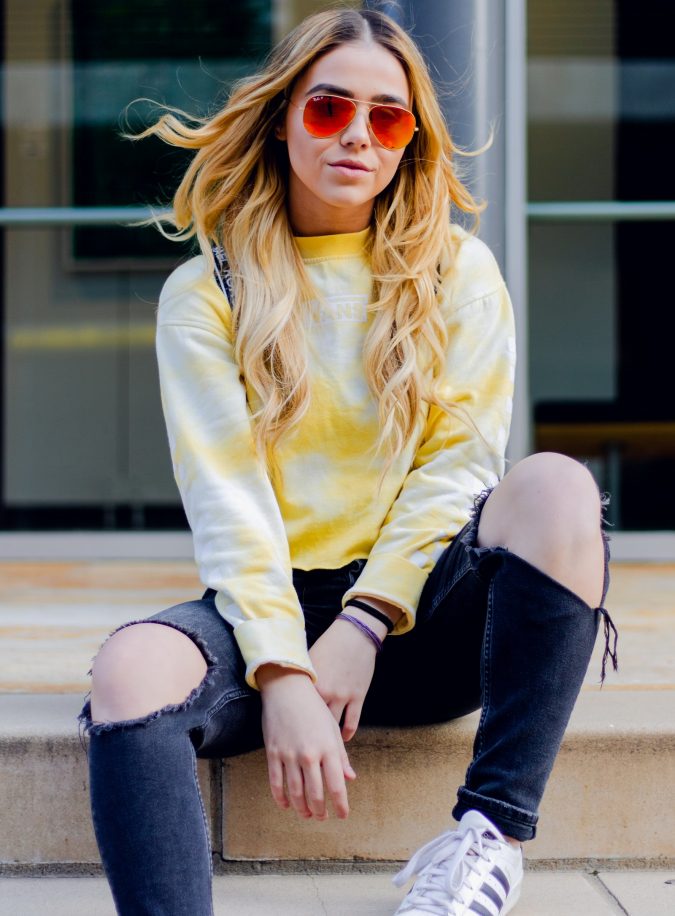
<point>234,194</point>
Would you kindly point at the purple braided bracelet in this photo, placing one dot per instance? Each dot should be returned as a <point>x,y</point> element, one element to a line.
<point>364,628</point>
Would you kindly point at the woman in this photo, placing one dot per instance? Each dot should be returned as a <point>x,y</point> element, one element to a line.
<point>348,314</point>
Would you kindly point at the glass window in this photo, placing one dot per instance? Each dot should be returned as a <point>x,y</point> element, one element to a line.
<point>189,66</point>
<point>601,110</point>
<point>84,443</point>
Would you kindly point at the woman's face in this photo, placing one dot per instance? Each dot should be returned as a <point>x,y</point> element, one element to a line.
<point>323,198</point>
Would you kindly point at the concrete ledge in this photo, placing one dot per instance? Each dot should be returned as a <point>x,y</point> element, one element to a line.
<point>604,801</point>
<point>45,815</point>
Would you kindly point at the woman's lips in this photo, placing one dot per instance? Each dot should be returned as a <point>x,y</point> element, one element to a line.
<point>350,170</point>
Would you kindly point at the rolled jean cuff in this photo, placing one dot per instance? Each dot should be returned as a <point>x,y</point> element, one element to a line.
<point>512,821</point>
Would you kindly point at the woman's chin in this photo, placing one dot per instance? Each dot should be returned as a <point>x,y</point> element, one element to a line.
<point>346,200</point>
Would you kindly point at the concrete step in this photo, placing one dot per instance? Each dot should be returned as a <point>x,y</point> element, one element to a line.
<point>606,801</point>
<point>55,615</point>
<point>640,893</point>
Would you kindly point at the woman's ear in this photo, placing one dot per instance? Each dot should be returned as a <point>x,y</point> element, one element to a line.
<point>280,131</point>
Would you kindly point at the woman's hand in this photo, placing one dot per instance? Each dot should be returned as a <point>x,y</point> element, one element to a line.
<point>302,740</point>
<point>344,660</point>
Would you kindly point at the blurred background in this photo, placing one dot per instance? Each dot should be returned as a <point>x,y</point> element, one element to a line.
<point>581,191</point>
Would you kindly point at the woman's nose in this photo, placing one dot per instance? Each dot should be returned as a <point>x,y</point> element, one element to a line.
<point>358,130</point>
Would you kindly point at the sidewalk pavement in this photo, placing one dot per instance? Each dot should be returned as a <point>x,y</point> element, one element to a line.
<point>636,893</point>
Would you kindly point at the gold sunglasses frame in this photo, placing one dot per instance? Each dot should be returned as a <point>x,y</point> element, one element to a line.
<point>357,102</point>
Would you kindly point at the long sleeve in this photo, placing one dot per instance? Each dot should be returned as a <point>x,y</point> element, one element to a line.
<point>240,543</point>
<point>451,464</point>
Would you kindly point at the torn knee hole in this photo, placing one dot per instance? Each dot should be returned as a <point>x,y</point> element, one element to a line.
<point>96,727</point>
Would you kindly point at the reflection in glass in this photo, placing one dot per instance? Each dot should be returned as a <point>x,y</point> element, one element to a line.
<point>601,108</point>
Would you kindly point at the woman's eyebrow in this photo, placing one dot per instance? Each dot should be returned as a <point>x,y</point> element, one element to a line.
<point>337,90</point>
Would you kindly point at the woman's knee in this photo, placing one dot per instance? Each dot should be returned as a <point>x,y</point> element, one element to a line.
<point>547,509</point>
<point>548,492</point>
<point>141,668</point>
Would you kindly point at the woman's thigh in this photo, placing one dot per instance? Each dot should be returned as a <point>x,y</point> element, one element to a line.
<point>432,673</point>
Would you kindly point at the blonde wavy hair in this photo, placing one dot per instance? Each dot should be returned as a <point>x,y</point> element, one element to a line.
<point>234,195</point>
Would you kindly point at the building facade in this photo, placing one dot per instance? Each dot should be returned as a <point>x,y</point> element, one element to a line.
<point>580,95</point>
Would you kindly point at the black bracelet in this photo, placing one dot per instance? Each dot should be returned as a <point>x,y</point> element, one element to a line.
<point>355,602</point>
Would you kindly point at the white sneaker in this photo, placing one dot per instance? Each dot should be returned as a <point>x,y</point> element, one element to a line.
<point>472,869</point>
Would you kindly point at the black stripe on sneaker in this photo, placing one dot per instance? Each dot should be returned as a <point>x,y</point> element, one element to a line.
<point>493,895</point>
<point>501,877</point>
<point>479,908</point>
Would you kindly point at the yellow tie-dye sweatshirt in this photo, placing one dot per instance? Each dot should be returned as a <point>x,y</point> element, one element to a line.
<point>248,536</point>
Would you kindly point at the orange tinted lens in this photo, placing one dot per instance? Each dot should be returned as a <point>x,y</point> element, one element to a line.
<point>325,115</point>
<point>393,127</point>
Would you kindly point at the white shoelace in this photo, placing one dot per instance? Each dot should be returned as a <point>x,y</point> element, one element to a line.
<point>439,880</point>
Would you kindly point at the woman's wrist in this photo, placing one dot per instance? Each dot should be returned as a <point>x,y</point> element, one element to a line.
<point>393,612</point>
<point>365,628</point>
<point>379,628</point>
<point>271,672</point>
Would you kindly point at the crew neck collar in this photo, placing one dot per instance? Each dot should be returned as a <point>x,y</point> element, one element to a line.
<point>339,245</point>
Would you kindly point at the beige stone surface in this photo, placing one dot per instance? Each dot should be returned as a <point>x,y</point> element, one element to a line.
<point>45,813</point>
<point>604,799</point>
<point>607,803</point>
<point>611,780</point>
<point>641,603</point>
<point>642,893</point>
<point>55,615</point>
<point>565,894</point>
<point>396,801</point>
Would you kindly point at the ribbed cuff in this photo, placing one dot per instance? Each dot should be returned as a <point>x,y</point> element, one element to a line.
<point>393,579</point>
<point>511,820</point>
<point>266,640</point>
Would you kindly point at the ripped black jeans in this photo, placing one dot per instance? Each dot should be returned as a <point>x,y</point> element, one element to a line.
<point>492,632</point>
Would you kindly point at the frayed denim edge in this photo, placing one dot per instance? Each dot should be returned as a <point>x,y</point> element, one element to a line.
<point>87,727</point>
<point>470,541</point>
<point>470,536</point>
<point>605,499</point>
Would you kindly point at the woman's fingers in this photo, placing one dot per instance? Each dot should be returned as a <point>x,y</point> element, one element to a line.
<point>336,709</point>
<point>347,769</point>
<point>296,788</point>
<point>305,785</point>
<point>306,791</point>
<point>352,718</point>
<point>304,747</point>
<point>314,794</point>
<point>335,784</point>
<point>275,772</point>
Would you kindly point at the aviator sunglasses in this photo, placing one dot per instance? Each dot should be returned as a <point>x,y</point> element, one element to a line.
<point>326,115</point>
